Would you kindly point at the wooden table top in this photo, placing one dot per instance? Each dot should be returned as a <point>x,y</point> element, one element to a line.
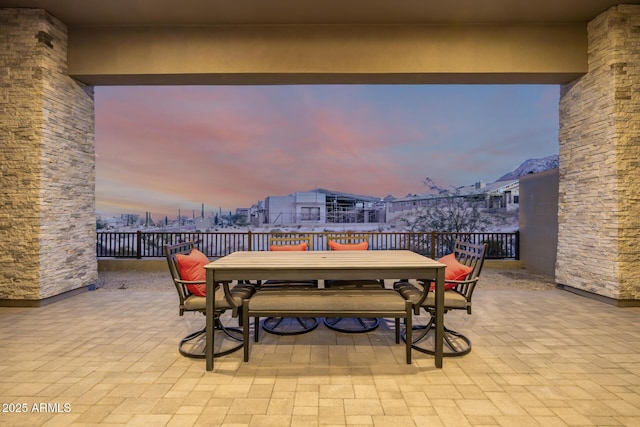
<point>378,264</point>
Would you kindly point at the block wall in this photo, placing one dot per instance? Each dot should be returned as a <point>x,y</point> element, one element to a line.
<point>47,171</point>
<point>599,195</point>
<point>539,221</point>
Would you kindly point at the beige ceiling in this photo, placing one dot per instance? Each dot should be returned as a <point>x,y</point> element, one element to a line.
<point>81,13</point>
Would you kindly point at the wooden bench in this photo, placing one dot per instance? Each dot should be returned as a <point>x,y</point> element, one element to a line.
<point>328,303</point>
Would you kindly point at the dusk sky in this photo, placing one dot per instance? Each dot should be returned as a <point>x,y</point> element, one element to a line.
<point>160,149</point>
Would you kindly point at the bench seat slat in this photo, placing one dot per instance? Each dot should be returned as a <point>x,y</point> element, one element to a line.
<point>321,300</point>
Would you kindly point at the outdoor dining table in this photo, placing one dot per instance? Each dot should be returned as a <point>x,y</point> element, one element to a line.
<point>323,265</point>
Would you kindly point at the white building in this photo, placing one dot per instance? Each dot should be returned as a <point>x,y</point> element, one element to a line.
<point>503,195</point>
<point>319,206</point>
<point>298,208</point>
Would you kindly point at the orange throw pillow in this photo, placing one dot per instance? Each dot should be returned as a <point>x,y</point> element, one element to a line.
<point>191,268</point>
<point>335,246</point>
<point>301,247</point>
<point>453,270</point>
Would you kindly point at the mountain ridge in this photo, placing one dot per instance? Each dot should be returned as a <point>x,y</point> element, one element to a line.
<point>531,166</point>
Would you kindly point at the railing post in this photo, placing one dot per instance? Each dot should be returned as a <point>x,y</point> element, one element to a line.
<point>139,244</point>
<point>250,239</point>
<point>433,245</point>
<point>517,244</point>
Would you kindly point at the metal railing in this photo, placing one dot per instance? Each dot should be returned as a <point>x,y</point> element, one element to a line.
<point>149,244</point>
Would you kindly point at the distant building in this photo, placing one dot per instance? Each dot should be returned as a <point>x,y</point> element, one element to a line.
<point>203,223</point>
<point>243,212</point>
<point>319,206</point>
<point>502,195</point>
<point>297,208</point>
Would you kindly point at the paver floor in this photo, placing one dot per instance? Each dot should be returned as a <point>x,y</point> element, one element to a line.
<point>540,357</point>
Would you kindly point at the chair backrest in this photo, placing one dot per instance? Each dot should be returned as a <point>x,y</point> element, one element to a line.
<point>471,255</point>
<point>290,240</point>
<point>170,252</point>
<point>346,238</point>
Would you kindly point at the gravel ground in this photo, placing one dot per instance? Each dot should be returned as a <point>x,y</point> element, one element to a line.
<point>160,281</point>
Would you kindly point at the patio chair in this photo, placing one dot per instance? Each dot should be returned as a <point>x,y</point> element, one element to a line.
<point>461,277</point>
<point>289,325</point>
<point>350,242</point>
<point>186,265</point>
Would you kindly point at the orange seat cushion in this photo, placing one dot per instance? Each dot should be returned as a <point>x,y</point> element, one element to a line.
<point>191,268</point>
<point>453,270</point>
<point>301,247</point>
<point>335,246</point>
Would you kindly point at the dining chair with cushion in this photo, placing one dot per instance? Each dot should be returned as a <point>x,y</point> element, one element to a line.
<point>289,325</point>
<point>462,272</point>
<point>351,242</point>
<point>186,265</point>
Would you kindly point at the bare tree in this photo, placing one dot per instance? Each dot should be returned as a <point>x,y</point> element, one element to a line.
<point>447,211</point>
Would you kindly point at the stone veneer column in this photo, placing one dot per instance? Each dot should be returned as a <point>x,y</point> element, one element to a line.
<point>599,206</point>
<point>47,163</point>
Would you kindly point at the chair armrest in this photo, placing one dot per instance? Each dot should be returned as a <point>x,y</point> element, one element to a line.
<point>235,295</point>
<point>190,282</point>
<point>463,287</point>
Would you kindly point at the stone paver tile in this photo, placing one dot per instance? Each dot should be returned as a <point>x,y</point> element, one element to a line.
<point>149,420</point>
<point>363,407</point>
<point>452,416</point>
<point>248,406</point>
<point>270,420</point>
<point>365,391</point>
<point>523,421</point>
<point>571,416</point>
<point>395,407</point>
<point>506,404</point>
<point>232,390</point>
<point>306,410</point>
<point>393,421</point>
<point>416,398</point>
<point>442,392</point>
<point>484,407</point>
<point>181,420</point>
<point>363,420</point>
<point>280,407</point>
<point>237,420</point>
<point>136,405</point>
<point>304,421</point>
<point>306,398</point>
<point>339,391</point>
<point>331,417</point>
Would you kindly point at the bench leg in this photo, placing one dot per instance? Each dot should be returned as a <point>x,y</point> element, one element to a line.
<point>245,329</point>
<point>256,329</point>
<point>397,319</point>
<point>408,331</point>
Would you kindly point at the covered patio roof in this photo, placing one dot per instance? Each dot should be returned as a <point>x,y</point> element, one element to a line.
<point>293,12</point>
<point>200,42</point>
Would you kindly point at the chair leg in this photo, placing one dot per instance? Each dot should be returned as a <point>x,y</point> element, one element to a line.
<point>289,325</point>
<point>193,345</point>
<point>352,325</point>
<point>187,341</point>
<point>455,344</point>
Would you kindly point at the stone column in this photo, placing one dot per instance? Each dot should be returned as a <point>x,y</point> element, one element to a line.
<point>47,164</point>
<point>599,206</point>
